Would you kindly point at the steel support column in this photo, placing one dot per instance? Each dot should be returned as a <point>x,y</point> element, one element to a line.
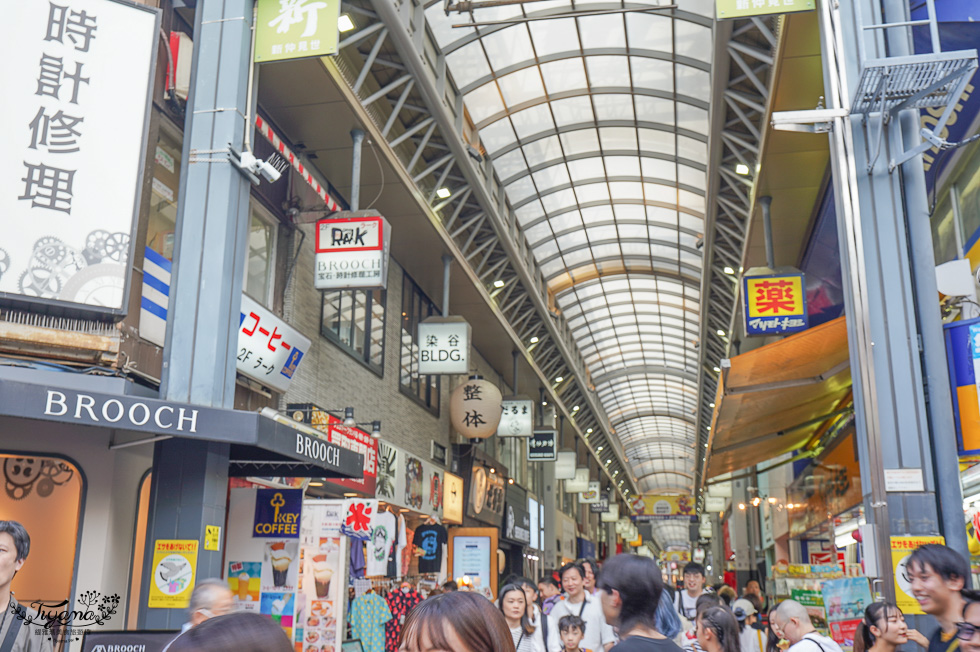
<point>190,479</point>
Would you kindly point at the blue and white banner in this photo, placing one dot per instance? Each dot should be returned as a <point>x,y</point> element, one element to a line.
<point>156,297</point>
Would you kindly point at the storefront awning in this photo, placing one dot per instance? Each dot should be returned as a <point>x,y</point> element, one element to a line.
<point>259,446</point>
<point>772,400</point>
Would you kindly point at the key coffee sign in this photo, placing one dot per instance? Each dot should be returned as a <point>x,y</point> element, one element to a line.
<point>352,252</point>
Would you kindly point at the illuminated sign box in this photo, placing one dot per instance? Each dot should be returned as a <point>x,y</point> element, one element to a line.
<point>775,303</point>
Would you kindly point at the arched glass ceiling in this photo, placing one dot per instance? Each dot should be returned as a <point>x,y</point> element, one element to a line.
<point>597,126</point>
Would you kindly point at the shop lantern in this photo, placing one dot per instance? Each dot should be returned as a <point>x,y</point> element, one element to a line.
<point>475,408</point>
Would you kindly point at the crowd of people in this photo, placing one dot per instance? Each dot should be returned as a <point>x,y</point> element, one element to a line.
<point>622,607</point>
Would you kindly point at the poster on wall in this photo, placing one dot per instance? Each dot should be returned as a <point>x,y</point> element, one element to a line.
<point>387,483</point>
<point>414,477</point>
<point>245,580</point>
<point>844,601</point>
<point>280,566</point>
<point>174,573</point>
<point>452,507</point>
<point>471,560</point>
<point>902,548</point>
<point>320,600</point>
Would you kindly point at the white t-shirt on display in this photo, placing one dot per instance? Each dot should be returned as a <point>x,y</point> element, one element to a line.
<point>383,532</point>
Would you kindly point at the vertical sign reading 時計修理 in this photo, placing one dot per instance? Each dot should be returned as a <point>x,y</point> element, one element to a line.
<point>75,107</point>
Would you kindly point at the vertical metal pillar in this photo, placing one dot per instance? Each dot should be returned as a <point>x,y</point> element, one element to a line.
<point>766,204</point>
<point>190,479</point>
<point>550,504</point>
<point>891,318</point>
<point>447,264</point>
<point>357,135</point>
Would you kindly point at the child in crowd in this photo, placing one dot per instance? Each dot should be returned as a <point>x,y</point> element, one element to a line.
<point>572,630</point>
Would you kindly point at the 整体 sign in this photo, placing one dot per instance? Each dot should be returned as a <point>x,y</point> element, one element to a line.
<point>775,304</point>
<point>76,109</point>
<point>296,29</point>
<point>902,548</point>
<point>444,346</point>
<point>269,349</point>
<point>746,8</point>
<point>517,418</point>
<point>542,446</point>
<point>352,252</point>
<point>174,573</point>
<point>277,513</point>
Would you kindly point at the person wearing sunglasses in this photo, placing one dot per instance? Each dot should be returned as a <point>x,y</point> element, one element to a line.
<point>718,631</point>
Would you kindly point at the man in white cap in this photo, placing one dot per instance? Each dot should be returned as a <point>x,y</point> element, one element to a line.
<point>750,638</point>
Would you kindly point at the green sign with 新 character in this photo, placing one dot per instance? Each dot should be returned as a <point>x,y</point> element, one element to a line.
<point>745,8</point>
<point>295,29</point>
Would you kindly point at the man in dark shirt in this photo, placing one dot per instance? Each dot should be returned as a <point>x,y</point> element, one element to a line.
<point>937,575</point>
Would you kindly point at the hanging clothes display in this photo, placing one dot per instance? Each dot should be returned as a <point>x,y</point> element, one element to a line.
<point>384,528</point>
<point>407,551</point>
<point>367,617</point>
<point>430,538</point>
<point>357,563</point>
<point>399,603</point>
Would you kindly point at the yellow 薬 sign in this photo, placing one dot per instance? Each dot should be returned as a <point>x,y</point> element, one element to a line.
<point>174,573</point>
<point>902,547</point>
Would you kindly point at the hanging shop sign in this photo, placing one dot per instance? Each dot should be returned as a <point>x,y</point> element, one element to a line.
<point>295,30</point>
<point>474,408</point>
<point>902,548</point>
<point>565,465</point>
<point>541,447</point>
<point>408,481</point>
<point>337,433</point>
<point>601,506</point>
<point>84,82</point>
<point>486,493</point>
<point>444,346</point>
<point>592,495</point>
<point>660,508</point>
<point>775,304</point>
<point>277,513</point>
<point>569,534</point>
<point>352,253</point>
<point>611,515</point>
<point>579,483</point>
<point>517,524</point>
<point>746,8</point>
<point>517,418</point>
<point>452,497</point>
<point>534,510</point>
<point>269,349</point>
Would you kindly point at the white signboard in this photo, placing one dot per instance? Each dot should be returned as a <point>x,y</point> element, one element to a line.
<point>565,466</point>
<point>592,495</point>
<point>579,483</point>
<point>76,93</point>
<point>444,346</point>
<point>517,419</point>
<point>352,253</point>
<point>612,515</point>
<point>533,510</point>
<point>904,480</point>
<point>269,350</point>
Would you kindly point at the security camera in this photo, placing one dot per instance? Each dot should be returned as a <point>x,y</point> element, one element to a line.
<point>699,243</point>
<point>258,166</point>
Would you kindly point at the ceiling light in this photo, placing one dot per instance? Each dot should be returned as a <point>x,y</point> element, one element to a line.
<point>544,402</point>
<point>443,193</point>
<point>316,484</point>
<point>589,431</point>
<point>711,404</point>
<point>344,23</point>
<point>599,450</point>
<point>575,408</point>
<point>376,429</point>
<point>350,495</point>
<point>493,470</point>
<point>498,283</point>
<point>772,501</point>
<point>705,445</point>
<point>534,340</point>
<point>742,169</point>
<point>728,270</point>
<point>608,462</point>
<point>720,332</point>
<point>717,370</point>
<point>510,480</point>
<point>709,428</point>
<point>741,506</point>
<point>559,379</point>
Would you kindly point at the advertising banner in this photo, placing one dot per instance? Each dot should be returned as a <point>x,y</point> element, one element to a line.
<point>269,349</point>
<point>844,601</point>
<point>902,548</point>
<point>406,480</point>
<point>297,29</point>
<point>654,507</point>
<point>76,106</point>
<point>321,594</point>
<point>775,304</point>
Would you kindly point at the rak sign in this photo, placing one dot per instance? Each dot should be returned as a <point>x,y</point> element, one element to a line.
<point>352,252</point>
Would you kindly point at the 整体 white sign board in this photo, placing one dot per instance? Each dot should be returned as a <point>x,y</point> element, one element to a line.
<point>352,253</point>
<point>269,349</point>
<point>76,106</point>
<point>517,418</point>
<point>444,346</point>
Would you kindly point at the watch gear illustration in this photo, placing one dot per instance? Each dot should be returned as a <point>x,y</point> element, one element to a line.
<point>55,270</point>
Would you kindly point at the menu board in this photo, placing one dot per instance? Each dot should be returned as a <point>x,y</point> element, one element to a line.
<point>471,560</point>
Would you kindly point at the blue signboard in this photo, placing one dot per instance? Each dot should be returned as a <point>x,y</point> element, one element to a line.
<point>277,513</point>
<point>775,304</point>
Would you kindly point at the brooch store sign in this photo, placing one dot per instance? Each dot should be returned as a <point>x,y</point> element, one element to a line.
<point>352,253</point>
<point>269,350</point>
<point>775,304</point>
<point>75,106</point>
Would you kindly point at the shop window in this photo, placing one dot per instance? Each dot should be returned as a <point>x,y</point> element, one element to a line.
<point>139,547</point>
<point>163,201</point>
<point>259,262</point>
<point>355,321</point>
<point>415,308</point>
<point>44,494</point>
<point>944,233</point>
<point>969,198</point>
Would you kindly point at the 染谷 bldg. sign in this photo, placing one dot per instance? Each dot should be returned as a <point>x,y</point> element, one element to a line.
<point>76,108</point>
<point>295,29</point>
<point>269,350</point>
<point>517,418</point>
<point>775,303</point>
<point>352,252</point>
<point>444,346</point>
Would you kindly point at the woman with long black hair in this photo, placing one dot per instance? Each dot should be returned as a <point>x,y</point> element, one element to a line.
<point>884,629</point>
<point>512,603</point>
<point>630,588</point>
<point>718,631</point>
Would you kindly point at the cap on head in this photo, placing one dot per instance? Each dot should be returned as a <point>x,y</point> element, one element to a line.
<point>742,609</point>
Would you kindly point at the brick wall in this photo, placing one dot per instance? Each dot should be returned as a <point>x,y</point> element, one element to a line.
<point>330,377</point>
